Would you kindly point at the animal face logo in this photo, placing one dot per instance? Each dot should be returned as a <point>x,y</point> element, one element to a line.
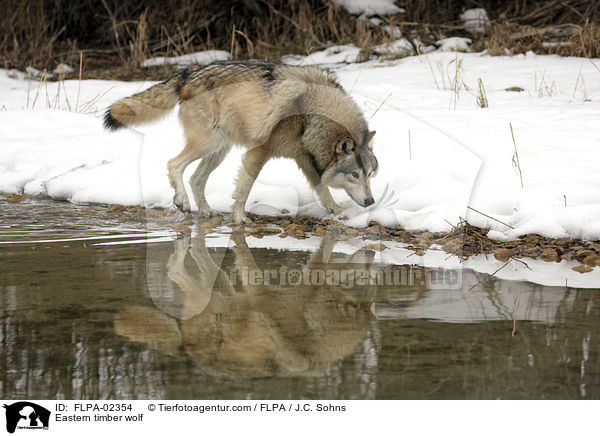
<point>26,415</point>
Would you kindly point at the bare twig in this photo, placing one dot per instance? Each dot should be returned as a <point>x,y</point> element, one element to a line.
<point>250,45</point>
<point>579,76</point>
<point>298,26</point>
<point>516,301</point>
<point>382,103</point>
<point>355,81</point>
<point>516,162</point>
<point>79,84</point>
<point>232,42</point>
<point>452,226</point>
<point>28,89</point>
<point>437,85</point>
<point>458,82</point>
<point>523,262</point>
<point>490,217</point>
<point>538,12</point>
<point>488,277</point>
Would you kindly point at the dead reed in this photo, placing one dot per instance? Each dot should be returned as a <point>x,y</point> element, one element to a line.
<point>114,36</point>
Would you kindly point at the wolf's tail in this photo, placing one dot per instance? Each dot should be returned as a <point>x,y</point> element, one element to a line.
<point>144,107</point>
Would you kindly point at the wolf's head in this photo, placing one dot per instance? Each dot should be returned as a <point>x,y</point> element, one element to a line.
<point>355,164</point>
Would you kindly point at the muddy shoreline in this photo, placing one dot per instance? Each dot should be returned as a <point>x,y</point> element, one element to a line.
<point>463,241</point>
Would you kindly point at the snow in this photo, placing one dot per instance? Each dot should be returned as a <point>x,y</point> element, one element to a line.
<point>200,58</point>
<point>454,44</point>
<point>63,69</point>
<point>400,47</point>
<point>37,74</point>
<point>475,20</point>
<point>458,155</point>
<point>330,57</point>
<point>393,31</point>
<point>370,7</point>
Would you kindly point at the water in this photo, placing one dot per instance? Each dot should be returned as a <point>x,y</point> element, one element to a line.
<point>178,319</point>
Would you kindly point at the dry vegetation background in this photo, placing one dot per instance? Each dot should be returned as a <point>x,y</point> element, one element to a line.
<point>114,36</point>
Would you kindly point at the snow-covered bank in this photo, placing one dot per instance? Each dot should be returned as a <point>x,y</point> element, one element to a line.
<point>396,253</point>
<point>458,154</point>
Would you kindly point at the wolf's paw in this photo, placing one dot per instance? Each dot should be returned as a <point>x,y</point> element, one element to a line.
<point>182,203</point>
<point>335,209</point>
<point>185,208</point>
<point>207,212</point>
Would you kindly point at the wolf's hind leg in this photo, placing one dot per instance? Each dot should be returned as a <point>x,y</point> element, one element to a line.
<point>198,180</point>
<point>193,150</point>
<point>252,163</point>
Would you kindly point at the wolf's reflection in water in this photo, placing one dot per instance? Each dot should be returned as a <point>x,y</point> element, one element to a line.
<point>250,320</point>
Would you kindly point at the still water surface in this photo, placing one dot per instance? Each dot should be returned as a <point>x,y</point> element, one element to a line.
<point>84,318</point>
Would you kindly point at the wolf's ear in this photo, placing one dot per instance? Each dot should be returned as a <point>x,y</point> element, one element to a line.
<point>345,145</point>
<point>369,137</point>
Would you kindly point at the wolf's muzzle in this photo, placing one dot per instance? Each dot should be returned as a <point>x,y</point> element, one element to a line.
<point>369,201</point>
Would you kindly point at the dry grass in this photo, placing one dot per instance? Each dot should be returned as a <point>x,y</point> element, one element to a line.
<point>125,34</point>
<point>515,159</point>
<point>114,36</point>
<point>457,80</point>
<point>566,40</point>
<point>586,42</point>
<point>482,100</point>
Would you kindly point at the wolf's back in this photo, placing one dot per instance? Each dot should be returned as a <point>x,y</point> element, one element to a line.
<point>157,101</point>
<point>144,107</point>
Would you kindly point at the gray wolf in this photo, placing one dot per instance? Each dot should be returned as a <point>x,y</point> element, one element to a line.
<point>272,110</point>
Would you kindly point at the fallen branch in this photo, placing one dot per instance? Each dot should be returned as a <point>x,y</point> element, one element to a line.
<point>488,277</point>
<point>490,217</point>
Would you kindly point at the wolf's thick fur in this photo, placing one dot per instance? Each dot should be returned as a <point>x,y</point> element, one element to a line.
<point>273,110</point>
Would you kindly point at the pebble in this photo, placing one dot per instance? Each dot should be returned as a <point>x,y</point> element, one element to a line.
<point>582,254</point>
<point>456,242</point>
<point>503,255</point>
<point>376,247</point>
<point>453,246</point>
<point>263,231</point>
<point>549,255</point>
<point>117,208</point>
<point>592,260</point>
<point>582,269</point>
<point>319,231</point>
<point>15,198</point>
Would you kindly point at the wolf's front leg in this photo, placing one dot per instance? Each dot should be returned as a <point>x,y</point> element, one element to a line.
<point>327,200</point>
<point>252,163</point>
<point>314,179</point>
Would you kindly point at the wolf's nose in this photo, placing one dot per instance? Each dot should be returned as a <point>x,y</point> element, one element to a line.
<point>369,201</point>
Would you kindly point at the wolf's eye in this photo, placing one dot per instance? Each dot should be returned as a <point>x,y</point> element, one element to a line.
<point>355,175</point>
